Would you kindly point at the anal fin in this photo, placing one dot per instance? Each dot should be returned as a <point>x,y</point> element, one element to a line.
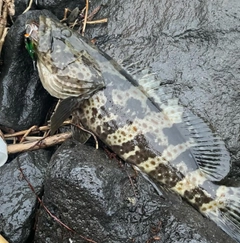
<point>207,149</point>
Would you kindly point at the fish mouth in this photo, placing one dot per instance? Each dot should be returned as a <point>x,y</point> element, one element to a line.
<point>31,31</point>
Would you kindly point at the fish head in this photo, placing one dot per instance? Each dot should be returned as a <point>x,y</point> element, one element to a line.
<point>65,65</point>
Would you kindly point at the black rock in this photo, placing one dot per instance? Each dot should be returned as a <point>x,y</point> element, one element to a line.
<point>17,201</point>
<point>57,6</point>
<point>93,196</point>
<point>23,100</point>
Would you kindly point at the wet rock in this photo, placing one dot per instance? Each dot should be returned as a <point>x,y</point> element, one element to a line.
<point>57,6</point>
<point>23,100</point>
<point>17,201</point>
<point>94,196</point>
<point>20,7</point>
<point>192,47</point>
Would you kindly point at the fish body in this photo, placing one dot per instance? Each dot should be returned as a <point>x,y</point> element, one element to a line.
<point>163,139</point>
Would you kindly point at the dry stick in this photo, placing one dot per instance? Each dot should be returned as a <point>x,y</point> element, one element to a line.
<point>45,142</point>
<point>28,132</point>
<point>33,138</point>
<point>29,6</point>
<point>47,210</point>
<point>99,21</point>
<point>85,130</point>
<point>11,8</point>
<point>131,182</point>
<point>85,18</point>
<point>1,4</point>
<point>66,10</point>
<point>2,38</point>
<point>36,130</point>
<point>3,19</point>
<point>20,133</point>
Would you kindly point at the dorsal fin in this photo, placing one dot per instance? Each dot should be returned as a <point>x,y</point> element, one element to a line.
<point>208,149</point>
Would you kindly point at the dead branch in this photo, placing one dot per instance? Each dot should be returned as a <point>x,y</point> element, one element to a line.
<point>39,144</point>
<point>85,130</point>
<point>7,8</point>
<point>99,21</point>
<point>29,6</point>
<point>85,18</point>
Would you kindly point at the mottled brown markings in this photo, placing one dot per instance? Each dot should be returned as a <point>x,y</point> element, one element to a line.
<point>199,197</point>
<point>94,111</point>
<point>180,147</point>
<point>123,133</point>
<point>107,128</point>
<point>166,175</point>
<point>140,156</point>
<point>134,128</point>
<point>153,162</point>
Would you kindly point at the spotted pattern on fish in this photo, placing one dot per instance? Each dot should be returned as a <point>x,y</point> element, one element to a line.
<point>140,124</point>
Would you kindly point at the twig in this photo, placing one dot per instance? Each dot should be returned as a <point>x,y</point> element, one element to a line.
<point>20,133</point>
<point>99,21</point>
<point>3,19</point>
<point>34,131</point>
<point>85,130</point>
<point>27,133</point>
<point>5,31</point>
<point>131,182</point>
<point>1,4</point>
<point>29,6</point>
<point>48,211</point>
<point>66,10</point>
<point>85,18</point>
<point>45,142</point>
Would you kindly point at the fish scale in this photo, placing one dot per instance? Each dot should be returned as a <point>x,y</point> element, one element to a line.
<point>140,123</point>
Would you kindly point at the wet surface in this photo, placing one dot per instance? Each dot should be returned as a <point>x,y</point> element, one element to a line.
<point>23,101</point>
<point>193,47</point>
<point>94,196</point>
<point>17,201</point>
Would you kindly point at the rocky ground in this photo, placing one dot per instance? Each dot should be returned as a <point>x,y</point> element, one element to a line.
<point>193,48</point>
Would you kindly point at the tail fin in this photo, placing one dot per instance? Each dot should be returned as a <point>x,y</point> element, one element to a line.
<point>225,211</point>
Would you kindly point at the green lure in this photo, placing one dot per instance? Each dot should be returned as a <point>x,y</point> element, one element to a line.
<point>30,48</point>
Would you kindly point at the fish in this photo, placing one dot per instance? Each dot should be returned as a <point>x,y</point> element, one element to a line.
<point>137,120</point>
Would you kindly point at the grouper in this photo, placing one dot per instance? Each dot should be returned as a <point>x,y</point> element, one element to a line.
<point>136,120</point>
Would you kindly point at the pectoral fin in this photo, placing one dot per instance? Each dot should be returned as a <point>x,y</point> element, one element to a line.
<point>63,111</point>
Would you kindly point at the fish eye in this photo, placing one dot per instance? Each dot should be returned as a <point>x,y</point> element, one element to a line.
<point>66,32</point>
